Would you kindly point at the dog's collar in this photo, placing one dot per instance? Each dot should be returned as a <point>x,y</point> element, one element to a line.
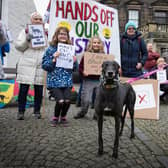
<point>108,86</point>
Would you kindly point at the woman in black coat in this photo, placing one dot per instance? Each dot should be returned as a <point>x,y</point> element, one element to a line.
<point>133,51</point>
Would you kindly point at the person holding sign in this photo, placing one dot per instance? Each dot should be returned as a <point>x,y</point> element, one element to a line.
<point>29,70</point>
<point>90,82</point>
<point>133,51</point>
<point>58,62</point>
<point>161,75</point>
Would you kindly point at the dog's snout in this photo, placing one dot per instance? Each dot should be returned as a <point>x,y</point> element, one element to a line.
<point>110,73</point>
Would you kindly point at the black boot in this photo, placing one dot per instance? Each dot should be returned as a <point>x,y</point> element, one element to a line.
<point>20,115</point>
<point>37,115</point>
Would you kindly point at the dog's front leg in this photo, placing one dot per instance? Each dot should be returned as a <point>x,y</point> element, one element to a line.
<point>100,139</point>
<point>116,141</point>
<point>123,121</point>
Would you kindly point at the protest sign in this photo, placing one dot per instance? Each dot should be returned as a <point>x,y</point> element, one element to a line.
<point>161,75</point>
<point>38,38</point>
<point>147,98</point>
<point>85,19</point>
<point>65,59</point>
<point>93,62</point>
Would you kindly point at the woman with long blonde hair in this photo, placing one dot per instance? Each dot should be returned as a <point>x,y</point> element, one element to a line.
<point>90,82</point>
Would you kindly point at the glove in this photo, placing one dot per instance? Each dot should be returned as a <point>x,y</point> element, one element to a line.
<point>29,37</point>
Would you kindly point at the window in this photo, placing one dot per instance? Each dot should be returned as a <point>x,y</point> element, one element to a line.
<point>164,51</point>
<point>161,17</point>
<point>133,15</point>
<point>162,27</point>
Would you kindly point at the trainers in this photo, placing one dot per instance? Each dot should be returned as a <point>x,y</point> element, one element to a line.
<point>37,115</point>
<point>54,121</point>
<point>63,120</point>
<point>20,116</point>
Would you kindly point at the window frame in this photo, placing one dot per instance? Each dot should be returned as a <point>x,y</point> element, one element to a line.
<point>160,19</point>
<point>135,20</point>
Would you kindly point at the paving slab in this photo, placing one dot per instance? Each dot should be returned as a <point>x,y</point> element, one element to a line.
<point>34,143</point>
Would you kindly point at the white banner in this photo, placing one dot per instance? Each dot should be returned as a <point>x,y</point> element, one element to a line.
<point>84,19</point>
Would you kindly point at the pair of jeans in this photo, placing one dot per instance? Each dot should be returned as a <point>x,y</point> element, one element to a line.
<point>23,91</point>
<point>87,94</point>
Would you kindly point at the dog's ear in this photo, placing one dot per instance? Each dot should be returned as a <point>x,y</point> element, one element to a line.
<point>117,68</point>
<point>117,65</point>
<point>103,66</point>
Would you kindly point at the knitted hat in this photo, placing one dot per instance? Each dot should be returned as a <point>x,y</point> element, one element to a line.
<point>130,23</point>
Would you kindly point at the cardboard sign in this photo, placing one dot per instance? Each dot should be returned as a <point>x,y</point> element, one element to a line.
<point>38,35</point>
<point>65,59</point>
<point>93,62</point>
<point>147,98</point>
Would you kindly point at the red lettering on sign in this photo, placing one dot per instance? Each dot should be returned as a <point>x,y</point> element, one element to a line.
<point>95,17</point>
<point>69,10</point>
<point>87,11</point>
<point>142,98</point>
<point>59,8</point>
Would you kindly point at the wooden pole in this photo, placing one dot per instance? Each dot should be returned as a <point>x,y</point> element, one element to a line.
<point>44,95</point>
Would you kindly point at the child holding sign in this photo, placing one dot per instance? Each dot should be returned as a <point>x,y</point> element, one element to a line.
<point>90,82</point>
<point>57,62</point>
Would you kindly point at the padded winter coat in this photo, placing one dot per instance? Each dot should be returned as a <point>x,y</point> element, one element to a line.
<point>133,51</point>
<point>29,70</point>
<point>57,77</point>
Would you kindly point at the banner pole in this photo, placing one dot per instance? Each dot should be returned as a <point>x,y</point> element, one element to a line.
<point>44,95</point>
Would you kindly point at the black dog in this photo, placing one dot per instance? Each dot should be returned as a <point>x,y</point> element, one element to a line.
<point>111,96</point>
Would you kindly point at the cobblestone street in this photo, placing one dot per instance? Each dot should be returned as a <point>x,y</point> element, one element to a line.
<point>34,143</point>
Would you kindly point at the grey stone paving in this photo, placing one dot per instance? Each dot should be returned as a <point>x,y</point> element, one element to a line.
<point>157,130</point>
<point>34,143</point>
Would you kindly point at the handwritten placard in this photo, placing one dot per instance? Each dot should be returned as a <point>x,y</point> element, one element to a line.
<point>161,75</point>
<point>65,59</point>
<point>38,38</point>
<point>147,98</point>
<point>93,62</point>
